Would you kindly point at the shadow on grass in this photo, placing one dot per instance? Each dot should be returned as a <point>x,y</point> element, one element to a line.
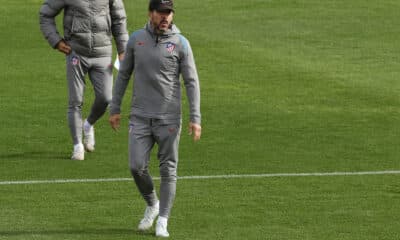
<point>102,232</point>
<point>35,155</point>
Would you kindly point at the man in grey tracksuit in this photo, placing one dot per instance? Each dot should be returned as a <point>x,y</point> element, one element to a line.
<point>89,26</point>
<point>157,54</point>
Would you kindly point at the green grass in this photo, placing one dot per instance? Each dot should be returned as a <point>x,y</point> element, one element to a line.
<point>274,208</point>
<point>287,86</point>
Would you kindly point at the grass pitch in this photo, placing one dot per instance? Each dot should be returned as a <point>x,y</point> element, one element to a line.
<point>287,86</point>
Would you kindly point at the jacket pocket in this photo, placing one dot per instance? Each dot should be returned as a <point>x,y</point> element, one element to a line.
<point>80,23</point>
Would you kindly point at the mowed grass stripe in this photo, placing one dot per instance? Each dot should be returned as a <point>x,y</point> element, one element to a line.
<point>264,175</point>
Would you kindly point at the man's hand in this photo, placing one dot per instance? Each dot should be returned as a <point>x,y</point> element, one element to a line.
<point>195,130</point>
<point>63,47</point>
<point>115,121</point>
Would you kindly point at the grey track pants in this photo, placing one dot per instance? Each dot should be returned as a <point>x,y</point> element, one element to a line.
<point>143,134</point>
<point>100,75</point>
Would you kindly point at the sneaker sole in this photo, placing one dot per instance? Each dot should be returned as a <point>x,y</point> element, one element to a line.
<point>148,227</point>
<point>161,235</point>
<point>89,149</point>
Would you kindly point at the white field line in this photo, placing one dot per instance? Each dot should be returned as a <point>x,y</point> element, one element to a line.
<point>266,175</point>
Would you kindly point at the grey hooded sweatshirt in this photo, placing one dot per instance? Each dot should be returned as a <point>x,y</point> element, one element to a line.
<point>88,25</point>
<point>157,62</point>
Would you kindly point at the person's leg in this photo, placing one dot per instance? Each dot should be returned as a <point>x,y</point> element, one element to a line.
<point>76,67</point>
<point>167,134</point>
<point>100,74</point>
<point>140,144</point>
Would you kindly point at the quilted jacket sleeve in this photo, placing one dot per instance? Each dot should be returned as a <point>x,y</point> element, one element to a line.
<point>118,24</point>
<point>49,10</point>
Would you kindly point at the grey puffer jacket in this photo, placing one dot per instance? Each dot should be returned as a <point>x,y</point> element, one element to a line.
<point>88,25</point>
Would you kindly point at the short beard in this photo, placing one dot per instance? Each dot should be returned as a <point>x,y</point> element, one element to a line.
<point>162,30</point>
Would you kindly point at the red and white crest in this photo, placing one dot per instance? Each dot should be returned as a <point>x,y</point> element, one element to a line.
<point>75,60</point>
<point>170,47</point>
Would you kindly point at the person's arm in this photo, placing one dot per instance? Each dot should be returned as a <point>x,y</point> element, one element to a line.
<point>191,82</point>
<point>124,74</point>
<point>119,26</point>
<point>48,11</point>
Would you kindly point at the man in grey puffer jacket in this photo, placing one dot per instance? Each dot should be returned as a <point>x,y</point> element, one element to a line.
<point>89,26</point>
<point>157,55</point>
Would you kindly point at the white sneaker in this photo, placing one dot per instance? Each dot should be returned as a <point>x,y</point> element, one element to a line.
<point>79,152</point>
<point>88,137</point>
<point>161,227</point>
<point>150,214</point>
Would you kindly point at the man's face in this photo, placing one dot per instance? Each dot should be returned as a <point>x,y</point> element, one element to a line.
<point>161,20</point>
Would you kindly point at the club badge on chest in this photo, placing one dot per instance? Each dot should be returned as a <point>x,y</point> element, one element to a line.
<point>170,47</point>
